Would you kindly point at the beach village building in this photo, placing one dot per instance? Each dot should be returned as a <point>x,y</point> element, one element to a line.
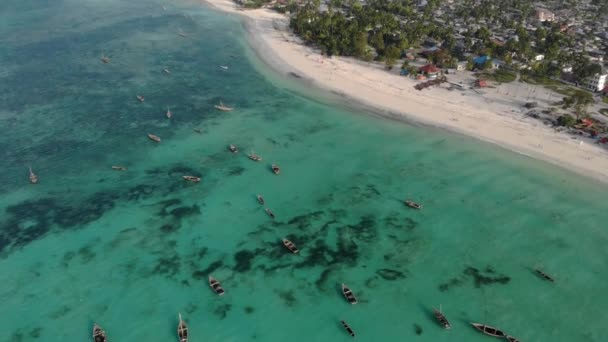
<point>430,71</point>
<point>596,82</point>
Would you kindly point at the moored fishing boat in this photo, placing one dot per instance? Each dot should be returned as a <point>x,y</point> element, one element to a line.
<point>254,156</point>
<point>167,71</point>
<point>443,321</point>
<point>290,245</point>
<point>198,130</point>
<point>182,330</point>
<point>270,213</point>
<point>153,137</point>
<point>260,199</point>
<point>140,98</point>
<point>98,334</point>
<point>33,176</point>
<point>275,168</point>
<point>168,114</point>
<point>119,168</point>
<point>511,339</point>
<point>544,275</point>
<point>216,286</point>
<point>223,108</point>
<point>488,330</point>
<point>192,179</point>
<point>233,148</point>
<point>412,204</point>
<point>348,329</point>
<point>105,59</point>
<point>348,294</point>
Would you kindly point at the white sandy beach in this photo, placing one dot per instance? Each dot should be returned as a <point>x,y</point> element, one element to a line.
<point>495,115</point>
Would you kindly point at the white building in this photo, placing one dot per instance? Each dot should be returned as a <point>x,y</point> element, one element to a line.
<point>543,14</point>
<point>596,83</point>
<point>539,57</point>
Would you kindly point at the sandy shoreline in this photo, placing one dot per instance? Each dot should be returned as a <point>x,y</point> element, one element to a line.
<point>495,116</point>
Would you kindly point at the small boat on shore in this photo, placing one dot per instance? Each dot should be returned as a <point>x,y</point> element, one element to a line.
<point>544,275</point>
<point>260,199</point>
<point>33,176</point>
<point>233,148</point>
<point>254,156</point>
<point>441,319</point>
<point>223,108</point>
<point>291,246</point>
<point>488,330</point>
<point>511,339</point>
<point>153,137</point>
<point>98,334</point>
<point>270,213</point>
<point>182,330</point>
<point>168,114</point>
<point>348,329</point>
<point>216,286</point>
<point>119,168</point>
<point>192,179</point>
<point>412,204</point>
<point>276,169</point>
<point>348,294</point>
<point>140,98</point>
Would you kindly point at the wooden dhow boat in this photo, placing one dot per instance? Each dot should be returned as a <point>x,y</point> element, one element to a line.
<point>254,156</point>
<point>412,204</point>
<point>98,334</point>
<point>260,199</point>
<point>270,213</point>
<point>216,286</point>
<point>223,108</point>
<point>153,137</point>
<point>348,329</point>
<point>348,294</point>
<point>290,245</point>
<point>33,176</point>
<point>488,330</point>
<point>168,114</point>
<point>192,179</point>
<point>233,148</point>
<point>276,169</point>
<point>441,319</point>
<point>182,330</point>
<point>119,168</point>
<point>544,275</point>
<point>140,98</point>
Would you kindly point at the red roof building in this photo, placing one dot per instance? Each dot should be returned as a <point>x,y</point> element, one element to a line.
<point>429,69</point>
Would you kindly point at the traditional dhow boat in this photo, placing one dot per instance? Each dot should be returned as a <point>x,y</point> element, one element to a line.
<point>119,168</point>
<point>254,156</point>
<point>233,148</point>
<point>348,294</point>
<point>153,137</point>
<point>260,199</point>
<point>441,319</point>
<point>270,213</point>
<point>192,179</point>
<point>223,108</point>
<point>33,176</point>
<point>275,168</point>
<point>412,204</point>
<point>140,98</point>
<point>511,339</point>
<point>182,330</point>
<point>290,245</point>
<point>544,275</point>
<point>98,334</point>
<point>216,286</point>
<point>348,329</point>
<point>168,114</point>
<point>488,330</point>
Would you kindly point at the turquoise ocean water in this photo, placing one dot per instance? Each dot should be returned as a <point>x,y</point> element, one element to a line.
<point>129,250</point>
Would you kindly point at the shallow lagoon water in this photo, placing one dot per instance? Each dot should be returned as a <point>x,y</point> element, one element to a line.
<point>129,250</point>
